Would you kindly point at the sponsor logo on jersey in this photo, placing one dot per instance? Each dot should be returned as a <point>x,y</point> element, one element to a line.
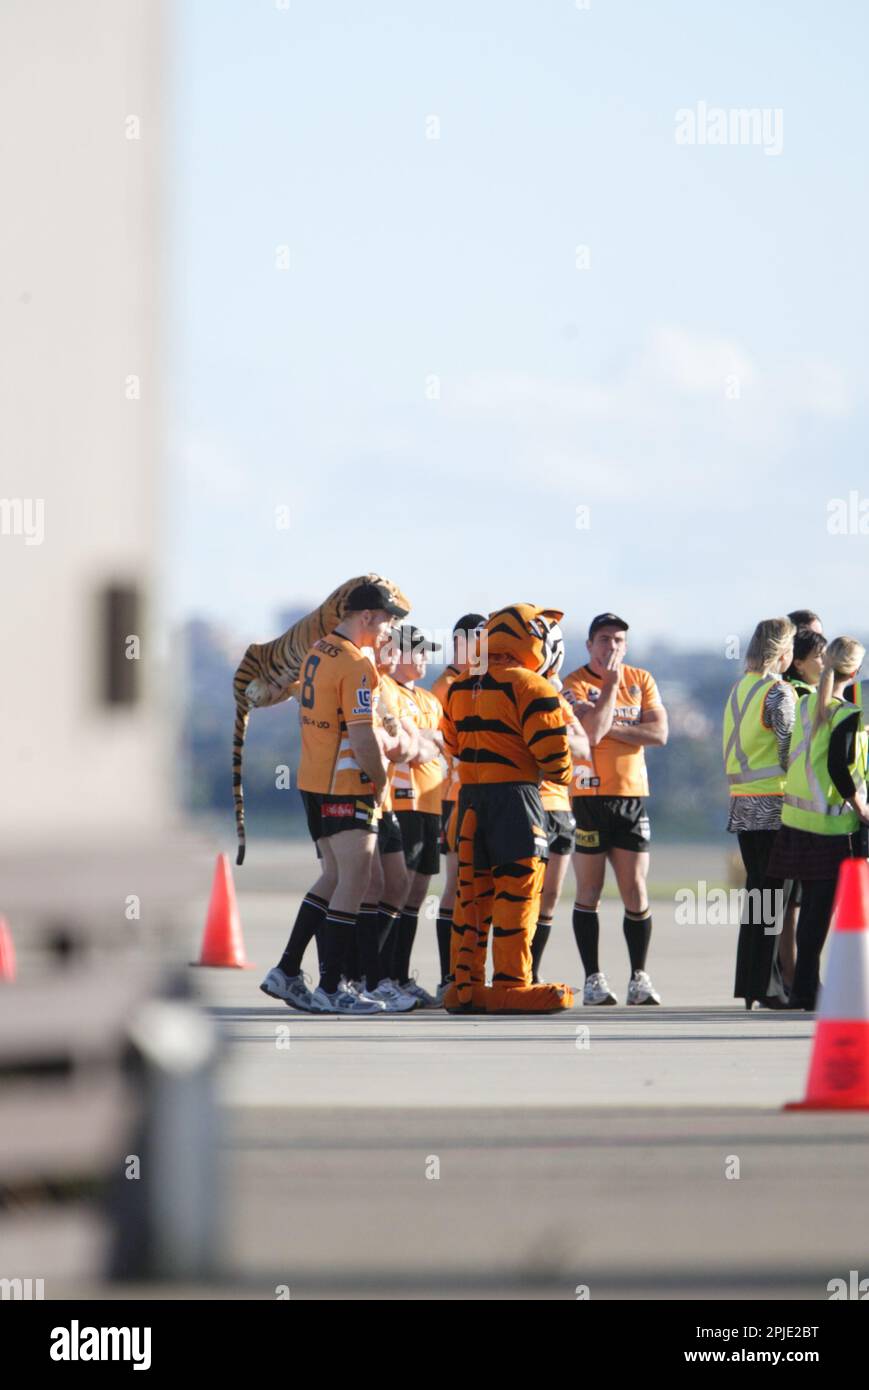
<point>363,701</point>
<point>586,779</point>
<point>588,839</point>
<point>338,808</point>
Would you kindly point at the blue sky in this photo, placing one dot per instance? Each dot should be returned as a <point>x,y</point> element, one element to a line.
<point>609,388</point>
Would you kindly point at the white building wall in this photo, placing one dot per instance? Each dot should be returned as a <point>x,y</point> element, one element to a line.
<point>80,278</point>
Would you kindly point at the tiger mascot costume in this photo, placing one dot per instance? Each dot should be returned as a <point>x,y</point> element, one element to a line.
<point>506,729</point>
<point>268,674</point>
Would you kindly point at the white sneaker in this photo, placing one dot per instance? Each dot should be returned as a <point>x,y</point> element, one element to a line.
<point>395,1000</point>
<point>597,991</point>
<point>422,996</point>
<point>359,989</point>
<point>641,990</point>
<point>342,1002</point>
<point>291,989</point>
<point>441,991</point>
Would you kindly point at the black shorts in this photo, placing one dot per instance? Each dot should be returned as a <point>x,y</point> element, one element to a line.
<point>448,827</point>
<point>329,814</point>
<point>389,834</point>
<point>420,836</point>
<point>511,822</point>
<point>611,822</point>
<point>560,828</point>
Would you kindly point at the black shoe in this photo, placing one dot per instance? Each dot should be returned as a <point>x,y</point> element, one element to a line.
<point>774,1001</point>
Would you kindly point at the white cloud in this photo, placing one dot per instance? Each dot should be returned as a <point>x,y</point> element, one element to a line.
<point>696,363</point>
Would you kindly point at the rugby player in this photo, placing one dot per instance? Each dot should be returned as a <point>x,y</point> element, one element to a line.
<point>609,802</point>
<point>416,794</point>
<point>343,779</point>
<point>466,655</point>
<point>560,822</point>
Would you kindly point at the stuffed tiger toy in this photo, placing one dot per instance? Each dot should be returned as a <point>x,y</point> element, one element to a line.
<point>268,674</point>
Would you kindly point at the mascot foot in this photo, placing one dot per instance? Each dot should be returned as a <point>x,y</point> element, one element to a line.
<point>529,999</point>
<point>476,1004</point>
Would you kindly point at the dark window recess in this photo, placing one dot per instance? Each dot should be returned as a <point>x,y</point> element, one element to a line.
<point>121,618</point>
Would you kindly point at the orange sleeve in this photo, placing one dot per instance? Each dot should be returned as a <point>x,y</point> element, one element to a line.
<point>651,698</point>
<point>356,689</point>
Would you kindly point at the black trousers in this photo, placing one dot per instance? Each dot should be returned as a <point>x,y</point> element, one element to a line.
<point>813,924</point>
<point>757,967</point>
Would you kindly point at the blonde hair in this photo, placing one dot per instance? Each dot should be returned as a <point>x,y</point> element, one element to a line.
<point>843,657</point>
<point>770,639</point>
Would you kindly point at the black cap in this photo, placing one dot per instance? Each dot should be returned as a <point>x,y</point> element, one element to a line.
<point>606,620</point>
<point>470,623</point>
<point>412,640</point>
<point>373,596</point>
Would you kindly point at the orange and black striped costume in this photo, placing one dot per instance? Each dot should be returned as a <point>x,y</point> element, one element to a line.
<point>505,727</point>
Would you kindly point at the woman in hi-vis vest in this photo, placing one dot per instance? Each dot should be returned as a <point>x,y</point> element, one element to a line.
<point>758,719</point>
<point>824,816</point>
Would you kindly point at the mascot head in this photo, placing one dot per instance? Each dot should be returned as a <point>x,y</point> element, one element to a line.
<point>528,635</point>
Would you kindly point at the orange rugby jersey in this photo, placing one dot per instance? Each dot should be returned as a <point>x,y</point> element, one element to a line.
<point>337,687</point>
<point>506,726</point>
<point>419,788</point>
<point>389,702</point>
<point>614,769</point>
<point>556,795</point>
<point>451,782</point>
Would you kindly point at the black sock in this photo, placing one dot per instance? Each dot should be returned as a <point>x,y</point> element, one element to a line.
<point>335,929</point>
<point>367,929</point>
<point>406,931</point>
<point>444,931</point>
<point>387,918</point>
<point>638,933</point>
<point>586,929</point>
<point>308,918</point>
<point>538,945</point>
<point>350,967</point>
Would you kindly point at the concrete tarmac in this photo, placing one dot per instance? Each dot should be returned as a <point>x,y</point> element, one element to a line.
<point>638,1152</point>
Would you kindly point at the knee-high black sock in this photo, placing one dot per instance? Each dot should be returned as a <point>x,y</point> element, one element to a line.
<point>308,919</point>
<point>335,929</point>
<point>638,933</point>
<point>406,931</point>
<point>367,935</point>
<point>387,920</point>
<point>538,946</point>
<point>444,932</point>
<point>350,967</point>
<point>586,929</point>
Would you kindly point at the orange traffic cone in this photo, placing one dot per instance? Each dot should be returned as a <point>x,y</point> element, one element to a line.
<point>222,943</point>
<point>839,1070</point>
<point>7,952</point>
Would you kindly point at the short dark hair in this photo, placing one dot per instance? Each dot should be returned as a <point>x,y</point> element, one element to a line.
<point>806,642</point>
<point>801,617</point>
